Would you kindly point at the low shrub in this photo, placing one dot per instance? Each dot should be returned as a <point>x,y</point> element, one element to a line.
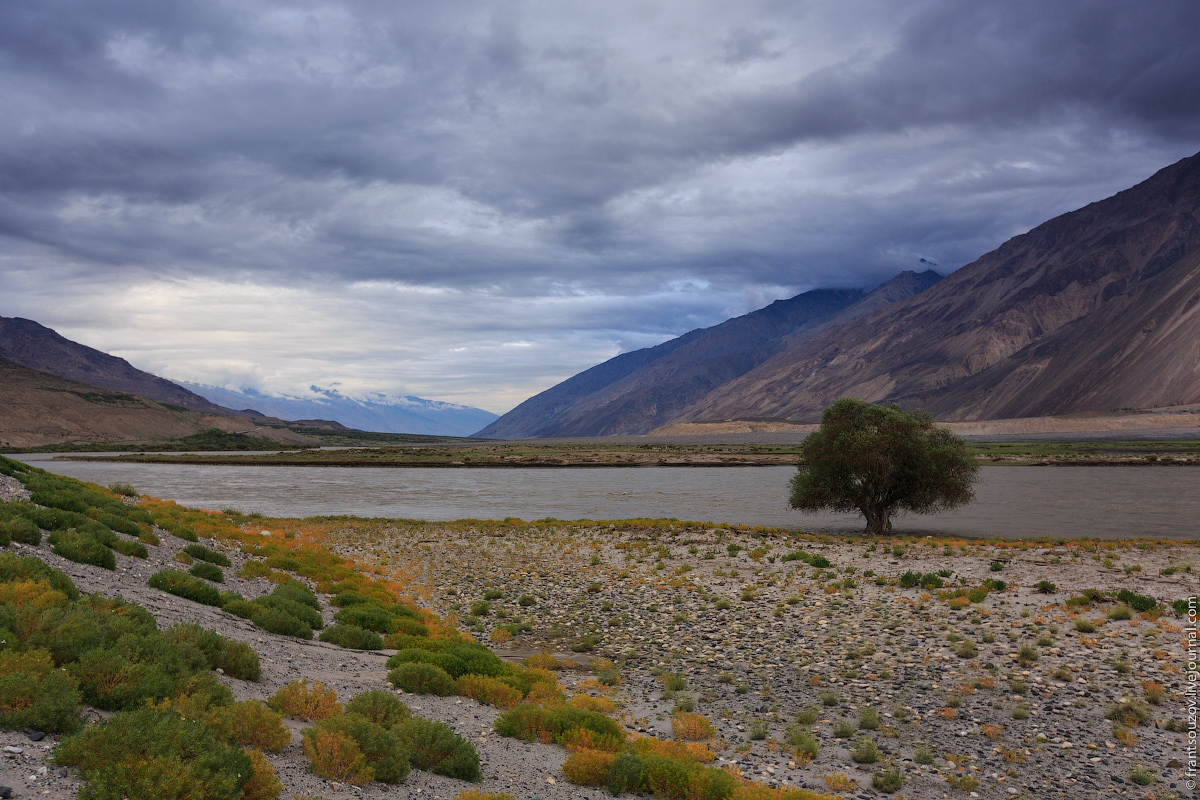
<point>1085,625</point>
<point>592,768</point>
<point>203,553</point>
<point>1138,602</point>
<point>183,585</point>
<point>235,659</point>
<point>131,549</point>
<point>888,780</point>
<point>33,694</point>
<point>207,571</point>
<point>864,751</point>
<point>82,549</point>
<point>352,637</point>
<point>489,691</point>
<point>691,727</point>
<point>558,724</point>
<point>434,747</point>
<point>275,620</point>
<point>152,753</point>
<point>1120,612</point>
<point>366,615</point>
<point>625,774</point>
<point>1046,587</point>
<point>18,568</point>
<point>337,757</point>
<point>262,783</point>
<point>300,611</point>
<point>20,529</point>
<point>297,699</point>
<point>422,678</point>
<point>297,592</point>
<point>382,708</point>
<point>382,749</point>
<point>241,608</point>
<point>252,723</point>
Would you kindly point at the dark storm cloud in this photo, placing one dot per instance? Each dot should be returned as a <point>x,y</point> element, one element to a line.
<point>625,169</point>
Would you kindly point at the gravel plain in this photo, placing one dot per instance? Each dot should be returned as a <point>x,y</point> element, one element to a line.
<point>763,645</point>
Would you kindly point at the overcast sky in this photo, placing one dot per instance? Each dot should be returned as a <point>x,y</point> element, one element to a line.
<point>471,201</point>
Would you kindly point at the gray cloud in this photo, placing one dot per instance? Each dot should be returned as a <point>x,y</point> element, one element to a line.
<point>565,180</point>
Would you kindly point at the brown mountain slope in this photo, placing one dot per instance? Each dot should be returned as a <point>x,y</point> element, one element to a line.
<point>40,348</point>
<point>636,392</point>
<point>1093,310</point>
<point>37,408</point>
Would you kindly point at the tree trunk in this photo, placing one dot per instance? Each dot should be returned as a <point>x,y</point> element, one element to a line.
<point>879,522</point>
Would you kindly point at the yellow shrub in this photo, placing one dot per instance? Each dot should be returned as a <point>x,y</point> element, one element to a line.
<point>501,635</point>
<point>691,727</point>
<point>33,594</point>
<point>840,783</point>
<point>489,691</point>
<point>589,703</point>
<point>543,661</point>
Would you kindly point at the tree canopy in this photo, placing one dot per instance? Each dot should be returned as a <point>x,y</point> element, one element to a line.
<point>880,460</point>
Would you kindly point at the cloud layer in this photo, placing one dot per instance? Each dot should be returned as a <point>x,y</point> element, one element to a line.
<point>473,200</point>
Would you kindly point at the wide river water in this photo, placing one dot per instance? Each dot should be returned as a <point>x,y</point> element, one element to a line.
<point>1101,502</point>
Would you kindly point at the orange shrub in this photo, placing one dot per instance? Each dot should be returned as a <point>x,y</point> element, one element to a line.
<point>263,785</point>
<point>986,682</point>
<point>992,731</point>
<point>337,756</point>
<point>476,794</point>
<point>691,727</point>
<point>588,767</point>
<point>489,691</point>
<point>947,712</point>
<point>298,700</point>
<point>500,635</point>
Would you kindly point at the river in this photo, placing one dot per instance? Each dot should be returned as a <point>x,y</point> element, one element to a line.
<point>1013,502</point>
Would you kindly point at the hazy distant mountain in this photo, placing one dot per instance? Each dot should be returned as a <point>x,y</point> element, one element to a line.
<point>35,346</point>
<point>638,391</point>
<point>375,413</point>
<point>1094,310</point>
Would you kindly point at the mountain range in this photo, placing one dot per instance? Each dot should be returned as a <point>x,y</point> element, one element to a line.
<point>377,412</point>
<point>1092,311</point>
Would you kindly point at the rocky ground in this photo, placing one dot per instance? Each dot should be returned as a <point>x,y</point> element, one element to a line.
<point>763,647</point>
<point>758,642</point>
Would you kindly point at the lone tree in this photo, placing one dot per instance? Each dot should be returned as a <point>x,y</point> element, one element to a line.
<point>880,460</point>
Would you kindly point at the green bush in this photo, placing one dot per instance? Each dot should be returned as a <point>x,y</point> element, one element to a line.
<point>434,747</point>
<point>666,777</point>
<point>343,599</point>
<point>82,549</point>
<point>132,549</point>
<point>1138,602</point>
<point>183,585</point>
<point>29,568</point>
<point>533,723</point>
<point>365,615</point>
<point>20,529</point>
<point>352,637</point>
<point>626,774</point>
<point>154,754</point>
<point>235,659</point>
<point>409,626</point>
<point>384,752</point>
<point>33,694</point>
<point>207,571</point>
<point>274,620</point>
<point>203,553</point>
<point>297,592</point>
<point>300,611</point>
<point>422,678</point>
<point>382,708</point>
<point>241,608</point>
